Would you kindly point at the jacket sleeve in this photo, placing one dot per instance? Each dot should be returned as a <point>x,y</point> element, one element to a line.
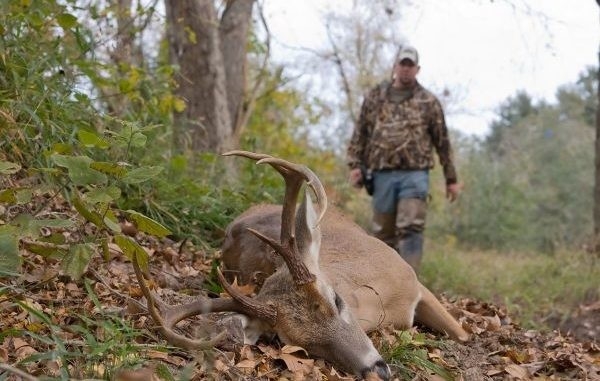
<point>362,130</point>
<point>441,142</point>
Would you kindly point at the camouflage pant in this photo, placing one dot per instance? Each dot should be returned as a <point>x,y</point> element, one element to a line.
<point>400,210</point>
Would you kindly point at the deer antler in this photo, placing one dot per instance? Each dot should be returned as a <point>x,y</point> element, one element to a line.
<point>167,316</point>
<point>291,173</point>
<point>294,175</point>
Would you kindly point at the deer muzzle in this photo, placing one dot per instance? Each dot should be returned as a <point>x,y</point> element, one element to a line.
<point>379,371</point>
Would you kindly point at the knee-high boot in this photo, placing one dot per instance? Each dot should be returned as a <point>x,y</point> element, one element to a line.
<point>410,248</point>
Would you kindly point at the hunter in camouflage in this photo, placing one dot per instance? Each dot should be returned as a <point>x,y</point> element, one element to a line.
<point>400,125</point>
<point>397,133</point>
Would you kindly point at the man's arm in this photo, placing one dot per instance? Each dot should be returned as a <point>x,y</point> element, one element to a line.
<point>441,142</point>
<point>362,130</point>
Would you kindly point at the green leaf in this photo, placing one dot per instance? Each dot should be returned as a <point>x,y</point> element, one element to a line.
<point>66,20</point>
<point>62,148</point>
<point>179,104</point>
<point>139,175</point>
<point>113,169</point>
<point>10,261</point>
<point>89,215</point>
<point>148,225</point>
<point>28,226</point>
<point>9,168</point>
<point>8,196</point>
<point>23,196</point>
<point>75,263</point>
<point>138,140</point>
<point>105,249</point>
<point>131,248</point>
<point>112,225</point>
<point>79,169</point>
<point>90,139</point>
<point>103,195</point>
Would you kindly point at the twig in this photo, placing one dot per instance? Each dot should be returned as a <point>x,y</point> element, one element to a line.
<point>105,283</point>
<point>18,372</point>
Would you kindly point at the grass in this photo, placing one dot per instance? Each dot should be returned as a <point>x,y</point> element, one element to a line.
<point>534,287</point>
<point>408,356</point>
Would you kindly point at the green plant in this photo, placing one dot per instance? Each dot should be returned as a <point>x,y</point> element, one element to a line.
<point>108,342</point>
<point>408,356</point>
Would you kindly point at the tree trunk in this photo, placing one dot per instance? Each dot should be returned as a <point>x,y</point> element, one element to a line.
<point>235,25</point>
<point>597,170</point>
<point>211,56</point>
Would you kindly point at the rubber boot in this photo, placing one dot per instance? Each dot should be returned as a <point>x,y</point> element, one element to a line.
<point>411,249</point>
<point>384,227</point>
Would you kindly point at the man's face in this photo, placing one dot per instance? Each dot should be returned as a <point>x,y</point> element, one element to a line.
<point>406,71</point>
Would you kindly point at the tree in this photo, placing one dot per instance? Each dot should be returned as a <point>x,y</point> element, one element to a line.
<point>597,167</point>
<point>510,112</point>
<point>210,51</point>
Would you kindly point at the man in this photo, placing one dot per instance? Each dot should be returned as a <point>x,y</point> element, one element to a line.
<point>400,124</point>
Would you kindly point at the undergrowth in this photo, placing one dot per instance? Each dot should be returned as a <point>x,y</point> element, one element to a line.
<point>534,287</point>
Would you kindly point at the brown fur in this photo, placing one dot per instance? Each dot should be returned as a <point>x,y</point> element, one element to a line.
<point>376,283</point>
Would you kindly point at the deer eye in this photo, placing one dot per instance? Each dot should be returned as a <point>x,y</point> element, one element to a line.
<point>339,303</point>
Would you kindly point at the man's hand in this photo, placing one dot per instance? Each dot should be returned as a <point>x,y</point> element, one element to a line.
<point>452,191</point>
<point>355,178</point>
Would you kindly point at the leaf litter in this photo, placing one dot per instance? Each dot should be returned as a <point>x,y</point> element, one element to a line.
<point>45,310</point>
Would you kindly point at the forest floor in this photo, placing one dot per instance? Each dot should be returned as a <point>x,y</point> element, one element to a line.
<point>54,327</point>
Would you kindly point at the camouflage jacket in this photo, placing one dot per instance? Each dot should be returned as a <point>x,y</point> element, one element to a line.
<point>400,133</point>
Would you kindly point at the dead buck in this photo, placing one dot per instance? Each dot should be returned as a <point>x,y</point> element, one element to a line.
<point>328,283</point>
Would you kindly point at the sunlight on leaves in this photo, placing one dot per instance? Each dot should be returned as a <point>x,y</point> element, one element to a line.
<point>131,248</point>
<point>148,225</point>
<point>79,169</point>
<point>139,175</point>
<point>90,139</point>
<point>66,20</point>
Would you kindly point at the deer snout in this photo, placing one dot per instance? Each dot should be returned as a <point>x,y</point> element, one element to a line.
<point>379,371</point>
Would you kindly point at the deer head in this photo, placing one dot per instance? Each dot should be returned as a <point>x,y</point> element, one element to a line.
<point>296,302</point>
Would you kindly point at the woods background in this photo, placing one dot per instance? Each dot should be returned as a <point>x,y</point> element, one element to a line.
<point>121,109</point>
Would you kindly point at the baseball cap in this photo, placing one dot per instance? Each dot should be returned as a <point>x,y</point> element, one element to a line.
<point>408,52</point>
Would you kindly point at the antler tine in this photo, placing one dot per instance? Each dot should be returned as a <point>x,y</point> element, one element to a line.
<point>167,316</point>
<point>285,168</point>
<point>297,268</point>
<point>174,314</point>
<point>300,173</point>
<point>294,175</point>
<point>248,305</point>
<point>249,155</point>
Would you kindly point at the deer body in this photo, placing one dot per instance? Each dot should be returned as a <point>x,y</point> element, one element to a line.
<point>377,284</point>
<point>327,282</point>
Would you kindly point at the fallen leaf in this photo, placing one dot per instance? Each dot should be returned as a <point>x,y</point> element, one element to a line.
<point>293,349</point>
<point>246,364</point>
<point>22,349</point>
<point>297,364</point>
<point>517,371</point>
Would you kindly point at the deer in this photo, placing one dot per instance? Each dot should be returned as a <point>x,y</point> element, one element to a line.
<point>327,282</point>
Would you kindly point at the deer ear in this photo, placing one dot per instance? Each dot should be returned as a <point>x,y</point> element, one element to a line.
<point>308,233</point>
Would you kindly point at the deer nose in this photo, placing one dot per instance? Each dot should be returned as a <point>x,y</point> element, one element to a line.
<point>379,371</point>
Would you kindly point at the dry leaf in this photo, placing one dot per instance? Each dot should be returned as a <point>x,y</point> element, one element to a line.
<point>293,349</point>
<point>22,349</point>
<point>144,374</point>
<point>297,364</point>
<point>246,364</point>
<point>517,371</point>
